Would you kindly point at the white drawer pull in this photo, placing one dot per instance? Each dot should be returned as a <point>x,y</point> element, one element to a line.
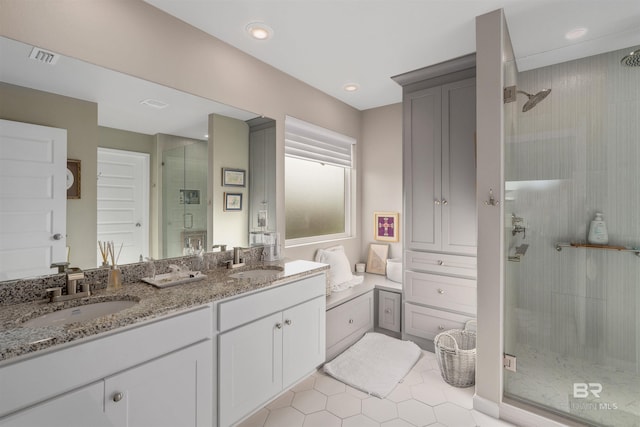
<point>440,262</point>
<point>440,327</point>
<point>350,320</point>
<point>441,291</point>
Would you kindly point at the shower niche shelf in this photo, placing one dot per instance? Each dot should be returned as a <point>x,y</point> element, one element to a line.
<point>561,245</point>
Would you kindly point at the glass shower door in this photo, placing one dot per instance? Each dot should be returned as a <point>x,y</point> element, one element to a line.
<point>572,311</point>
<point>184,198</point>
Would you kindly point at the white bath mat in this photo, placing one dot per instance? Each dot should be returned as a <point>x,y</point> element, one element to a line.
<point>374,364</point>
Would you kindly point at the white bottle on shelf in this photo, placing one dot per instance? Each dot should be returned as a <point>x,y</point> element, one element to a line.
<point>598,234</point>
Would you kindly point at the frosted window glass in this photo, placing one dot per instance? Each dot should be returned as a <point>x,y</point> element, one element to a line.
<point>314,199</point>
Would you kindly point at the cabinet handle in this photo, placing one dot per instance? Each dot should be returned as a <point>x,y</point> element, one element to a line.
<point>436,202</point>
<point>288,322</point>
<point>350,320</point>
<point>279,325</point>
<point>117,397</point>
<point>440,327</point>
<point>441,291</point>
<point>440,262</point>
<point>388,310</point>
<point>444,202</point>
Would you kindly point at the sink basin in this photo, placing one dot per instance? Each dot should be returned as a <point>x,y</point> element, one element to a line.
<point>80,313</point>
<point>172,279</point>
<point>258,273</point>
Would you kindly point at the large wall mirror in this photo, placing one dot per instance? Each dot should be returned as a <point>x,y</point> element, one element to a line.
<point>203,172</point>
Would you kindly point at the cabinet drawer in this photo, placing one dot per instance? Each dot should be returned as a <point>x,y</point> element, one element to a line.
<point>389,310</point>
<point>427,323</point>
<point>348,322</point>
<point>246,308</point>
<point>430,262</point>
<point>451,293</point>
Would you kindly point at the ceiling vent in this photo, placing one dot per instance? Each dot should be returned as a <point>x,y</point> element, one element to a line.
<point>44,56</point>
<point>154,103</point>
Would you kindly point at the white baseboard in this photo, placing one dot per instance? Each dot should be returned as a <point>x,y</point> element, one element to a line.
<point>486,406</point>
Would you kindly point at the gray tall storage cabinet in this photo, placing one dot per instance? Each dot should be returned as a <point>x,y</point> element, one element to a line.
<point>440,227</point>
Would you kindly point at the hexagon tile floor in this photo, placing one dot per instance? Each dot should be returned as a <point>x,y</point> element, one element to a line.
<point>421,399</point>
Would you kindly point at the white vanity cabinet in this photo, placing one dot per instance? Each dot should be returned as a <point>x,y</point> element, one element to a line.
<point>158,374</point>
<point>268,341</point>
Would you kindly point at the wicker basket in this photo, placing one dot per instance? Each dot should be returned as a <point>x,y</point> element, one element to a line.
<point>456,354</point>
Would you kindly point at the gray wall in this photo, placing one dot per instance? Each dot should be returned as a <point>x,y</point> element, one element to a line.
<point>381,169</point>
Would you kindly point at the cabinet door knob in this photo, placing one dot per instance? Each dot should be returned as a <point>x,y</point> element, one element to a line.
<point>279,325</point>
<point>388,310</point>
<point>117,397</point>
<point>440,327</point>
<point>444,202</point>
<point>350,320</point>
<point>440,262</point>
<point>57,236</point>
<point>288,322</point>
<point>436,202</point>
<point>441,291</point>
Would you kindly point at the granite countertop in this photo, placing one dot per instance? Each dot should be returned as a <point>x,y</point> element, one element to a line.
<point>153,303</point>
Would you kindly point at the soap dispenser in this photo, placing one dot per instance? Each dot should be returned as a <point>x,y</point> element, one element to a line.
<point>598,231</point>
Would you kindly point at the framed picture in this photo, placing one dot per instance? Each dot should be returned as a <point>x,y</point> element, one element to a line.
<point>377,259</point>
<point>73,179</point>
<point>232,201</point>
<point>386,226</point>
<point>233,177</point>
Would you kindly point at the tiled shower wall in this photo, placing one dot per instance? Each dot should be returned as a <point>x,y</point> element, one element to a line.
<point>577,153</point>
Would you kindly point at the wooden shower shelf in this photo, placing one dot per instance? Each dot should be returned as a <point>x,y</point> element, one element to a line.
<point>559,247</point>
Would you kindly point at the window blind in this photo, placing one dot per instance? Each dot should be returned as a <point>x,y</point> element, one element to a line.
<point>310,142</point>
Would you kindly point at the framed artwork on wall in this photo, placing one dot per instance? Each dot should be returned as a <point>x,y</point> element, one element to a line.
<point>73,179</point>
<point>233,177</point>
<point>232,201</point>
<point>386,226</point>
<point>377,259</point>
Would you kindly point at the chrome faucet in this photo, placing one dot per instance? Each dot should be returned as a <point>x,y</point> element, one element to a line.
<point>238,259</point>
<point>73,275</point>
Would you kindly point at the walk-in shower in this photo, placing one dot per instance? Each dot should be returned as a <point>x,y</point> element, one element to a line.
<point>572,317</point>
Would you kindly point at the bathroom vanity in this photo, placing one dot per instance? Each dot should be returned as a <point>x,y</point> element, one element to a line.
<point>181,356</point>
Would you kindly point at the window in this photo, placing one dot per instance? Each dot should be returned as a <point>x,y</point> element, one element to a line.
<point>318,184</point>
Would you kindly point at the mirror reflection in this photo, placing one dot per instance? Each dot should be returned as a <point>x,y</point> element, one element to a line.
<point>151,162</point>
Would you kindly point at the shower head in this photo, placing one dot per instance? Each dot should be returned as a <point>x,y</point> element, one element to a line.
<point>534,99</point>
<point>632,59</point>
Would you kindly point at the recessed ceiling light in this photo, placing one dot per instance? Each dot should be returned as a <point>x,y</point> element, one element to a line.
<point>154,103</point>
<point>259,30</point>
<point>575,34</point>
<point>351,87</point>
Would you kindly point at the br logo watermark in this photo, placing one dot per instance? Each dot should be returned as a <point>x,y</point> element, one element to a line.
<point>590,391</point>
<point>583,390</point>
